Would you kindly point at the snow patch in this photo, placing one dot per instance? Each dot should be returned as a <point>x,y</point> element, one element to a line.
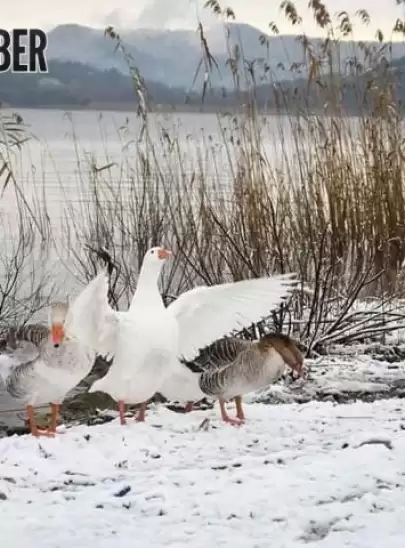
<point>295,474</point>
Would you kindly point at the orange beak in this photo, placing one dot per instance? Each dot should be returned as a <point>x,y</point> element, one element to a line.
<point>57,333</point>
<point>164,253</point>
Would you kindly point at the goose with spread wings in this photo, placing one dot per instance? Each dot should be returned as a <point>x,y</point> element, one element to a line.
<point>152,347</point>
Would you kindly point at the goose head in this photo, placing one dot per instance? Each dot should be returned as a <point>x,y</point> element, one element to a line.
<point>153,261</point>
<point>286,348</point>
<point>57,317</point>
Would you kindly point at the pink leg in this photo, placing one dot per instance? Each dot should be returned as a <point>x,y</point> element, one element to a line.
<point>239,409</point>
<point>54,418</point>
<point>141,413</point>
<point>189,407</point>
<point>35,431</point>
<point>225,417</point>
<point>121,409</point>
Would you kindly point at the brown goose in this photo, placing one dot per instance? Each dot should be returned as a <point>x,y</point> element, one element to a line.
<point>231,367</point>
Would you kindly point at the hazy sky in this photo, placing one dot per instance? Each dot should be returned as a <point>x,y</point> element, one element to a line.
<point>180,13</point>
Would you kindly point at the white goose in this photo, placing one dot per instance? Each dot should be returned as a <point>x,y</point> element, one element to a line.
<point>231,367</point>
<point>150,350</point>
<point>40,364</point>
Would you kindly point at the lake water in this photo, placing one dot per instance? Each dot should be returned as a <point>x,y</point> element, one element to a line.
<point>57,165</point>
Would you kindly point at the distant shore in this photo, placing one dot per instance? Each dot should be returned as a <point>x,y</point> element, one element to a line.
<point>165,109</point>
<point>131,106</point>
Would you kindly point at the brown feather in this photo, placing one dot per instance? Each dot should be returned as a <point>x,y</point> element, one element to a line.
<point>285,346</point>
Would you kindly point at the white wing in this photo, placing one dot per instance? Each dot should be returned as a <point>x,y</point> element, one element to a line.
<point>206,314</point>
<point>90,318</point>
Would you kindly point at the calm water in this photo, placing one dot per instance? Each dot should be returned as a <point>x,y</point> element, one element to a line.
<point>55,166</point>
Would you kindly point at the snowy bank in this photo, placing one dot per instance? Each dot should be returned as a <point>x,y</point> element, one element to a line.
<point>342,378</point>
<point>293,475</point>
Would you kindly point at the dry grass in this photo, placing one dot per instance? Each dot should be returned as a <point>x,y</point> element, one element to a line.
<point>25,288</point>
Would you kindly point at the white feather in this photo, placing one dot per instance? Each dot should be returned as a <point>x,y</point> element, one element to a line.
<point>183,386</point>
<point>206,314</point>
<point>142,360</point>
<point>91,319</point>
<point>145,341</point>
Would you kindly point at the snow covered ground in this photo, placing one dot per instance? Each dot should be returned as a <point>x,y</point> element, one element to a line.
<point>342,377</point>
<point>294,475</point>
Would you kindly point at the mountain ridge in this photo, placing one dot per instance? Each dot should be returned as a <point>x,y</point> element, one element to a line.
<point>173,56</point>
<point>76,85</point>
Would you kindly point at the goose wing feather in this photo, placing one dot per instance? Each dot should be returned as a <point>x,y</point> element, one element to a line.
<point>206,314</point>
<point>91,319</point>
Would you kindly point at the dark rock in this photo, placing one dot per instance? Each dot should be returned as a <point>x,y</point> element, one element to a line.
<point>3,496</point>
<point>390,354</point>
<point>45,454</point>
<point>17,430</point>
<point>9,480</point>
<point>201,405</point>
<point>205,424</point>
<point>122,492</point>
<point>377,441</point>
<point>84,406</point>
<point>78,482</point>
<point>99,419</point>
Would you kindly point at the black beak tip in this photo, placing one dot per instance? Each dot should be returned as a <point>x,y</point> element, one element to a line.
<point>56,345</point>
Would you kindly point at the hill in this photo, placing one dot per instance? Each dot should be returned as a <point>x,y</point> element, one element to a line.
<point>172,56</point>
<point>77,85</point>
